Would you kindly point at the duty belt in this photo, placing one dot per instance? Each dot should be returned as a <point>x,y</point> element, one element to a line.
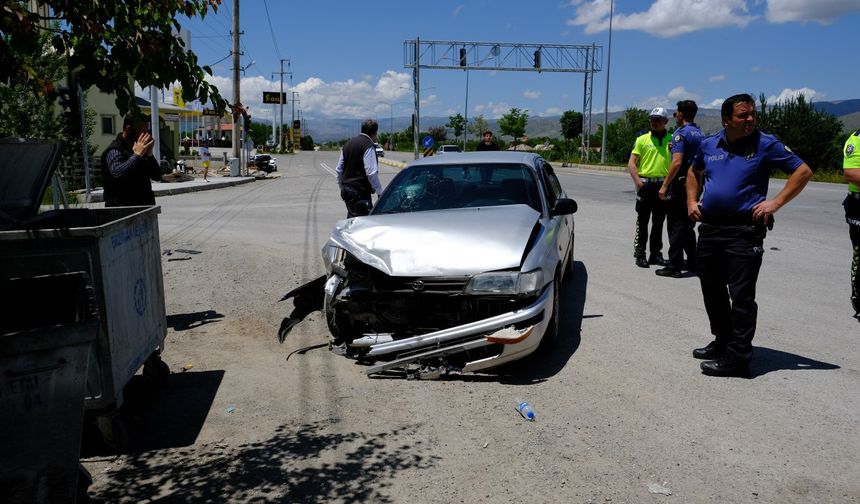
<point>855,195</point>
<point>653,179</point>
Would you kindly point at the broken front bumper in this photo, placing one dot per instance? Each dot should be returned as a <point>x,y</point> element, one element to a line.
<point>518,332</point>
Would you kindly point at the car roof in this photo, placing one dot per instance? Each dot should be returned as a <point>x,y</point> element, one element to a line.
<point>457,158</point>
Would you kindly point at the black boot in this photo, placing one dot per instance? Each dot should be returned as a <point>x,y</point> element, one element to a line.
<point>727,365</point>
<point>710,352</point>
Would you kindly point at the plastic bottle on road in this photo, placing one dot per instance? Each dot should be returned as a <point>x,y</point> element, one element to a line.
<point>525,410</point>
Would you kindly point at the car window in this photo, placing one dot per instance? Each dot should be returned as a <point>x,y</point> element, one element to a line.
<point>551,184</point>
<point>420,188</point>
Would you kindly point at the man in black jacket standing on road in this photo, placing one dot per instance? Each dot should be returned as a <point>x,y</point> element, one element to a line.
<point>127,167</point>
<point>358,170</point>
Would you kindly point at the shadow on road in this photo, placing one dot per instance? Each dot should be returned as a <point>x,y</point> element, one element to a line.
<point>312,463</point>
<point>185,321</point>
<point>766,360</point>
<point>167,416</point>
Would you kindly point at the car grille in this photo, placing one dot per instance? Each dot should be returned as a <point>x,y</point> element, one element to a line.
<point>426,285</point>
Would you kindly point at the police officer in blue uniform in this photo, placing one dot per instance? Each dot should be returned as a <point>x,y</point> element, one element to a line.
<point>684,145</point>
<point>734,213</point>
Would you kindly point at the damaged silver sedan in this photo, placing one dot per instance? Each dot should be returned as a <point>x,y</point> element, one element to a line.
<point>457,268</point>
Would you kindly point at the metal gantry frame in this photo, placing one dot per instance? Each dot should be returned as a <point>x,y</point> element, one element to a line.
<point>504,56</point>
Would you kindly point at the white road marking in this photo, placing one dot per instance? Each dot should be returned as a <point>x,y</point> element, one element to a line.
<point>329,169</point>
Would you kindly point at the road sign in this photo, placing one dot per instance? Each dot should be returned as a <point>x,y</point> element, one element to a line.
<point>427,141</point>
<point>272,97</point>
<point>428,152</point>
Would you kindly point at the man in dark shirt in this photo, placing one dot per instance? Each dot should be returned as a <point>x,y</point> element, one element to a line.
<point>683,146</point>
<point>127,166</point>
<point>358,170</point>
<point>487,144</point>
<point>734,214</point>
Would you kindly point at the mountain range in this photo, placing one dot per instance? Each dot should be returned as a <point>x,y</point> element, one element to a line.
<point>326,129</point>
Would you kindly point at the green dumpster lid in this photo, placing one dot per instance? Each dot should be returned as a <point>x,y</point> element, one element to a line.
<point>26,167</point>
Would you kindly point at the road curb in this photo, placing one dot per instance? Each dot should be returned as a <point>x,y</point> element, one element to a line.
<point>179,187</point>
<point>391,162</point>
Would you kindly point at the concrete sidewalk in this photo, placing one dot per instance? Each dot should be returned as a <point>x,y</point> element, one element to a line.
<point>197,184</point>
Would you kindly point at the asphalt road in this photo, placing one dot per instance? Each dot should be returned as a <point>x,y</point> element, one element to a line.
<point>621,403</point>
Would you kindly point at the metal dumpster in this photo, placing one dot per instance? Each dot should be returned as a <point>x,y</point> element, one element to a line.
<point>47,327</point>
<point>118,248</point>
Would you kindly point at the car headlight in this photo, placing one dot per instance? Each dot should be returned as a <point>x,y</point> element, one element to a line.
<point>333,257</point>
<point>505,282</point>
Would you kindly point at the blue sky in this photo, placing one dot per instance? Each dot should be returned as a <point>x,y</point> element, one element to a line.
<point>346,58</point>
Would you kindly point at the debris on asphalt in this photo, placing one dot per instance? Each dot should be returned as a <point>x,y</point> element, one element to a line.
<point>231,409</point>
<point>656,488</point>
<point>186,258</point>
<point>187,251</point>
<point>187,367</point>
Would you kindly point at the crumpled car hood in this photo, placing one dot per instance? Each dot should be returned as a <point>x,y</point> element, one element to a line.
<point>462,241</point>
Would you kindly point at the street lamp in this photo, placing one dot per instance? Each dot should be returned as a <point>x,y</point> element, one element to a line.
<point>390,121</point>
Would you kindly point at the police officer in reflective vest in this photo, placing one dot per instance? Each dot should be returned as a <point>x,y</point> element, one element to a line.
<point>734,214</point>
<point>684,145</point>
<point>651,153</point>
<point>851,165</point>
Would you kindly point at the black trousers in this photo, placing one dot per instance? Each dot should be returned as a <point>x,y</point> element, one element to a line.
<point>357,201</point>
<point>852,217</point>
<point>649,206</point>
<point>728,262</point>
<point>682,236</point>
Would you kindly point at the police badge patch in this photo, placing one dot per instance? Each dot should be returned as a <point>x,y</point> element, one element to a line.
<point>677,138</point>
<point>849,150</point>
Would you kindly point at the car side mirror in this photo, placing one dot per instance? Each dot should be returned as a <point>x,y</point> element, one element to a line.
<point>564,206</point>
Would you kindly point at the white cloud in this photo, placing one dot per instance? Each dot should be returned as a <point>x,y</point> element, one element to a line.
<point>717,78</point>
<point>681,93</point>
<point>493,110</point>
<point>348,99</point>
<point>822,11</point>
<point>716,104</point>
<point>664,18</point>
<point>552,111</point>
<point>809,93</point>
<point>531,95</point>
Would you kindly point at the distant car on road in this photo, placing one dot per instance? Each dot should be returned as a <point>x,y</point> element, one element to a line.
<point>270,142</point>
<point>380,152</point>
<point>449,148</point>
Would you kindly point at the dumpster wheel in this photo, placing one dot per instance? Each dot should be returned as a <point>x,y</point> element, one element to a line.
<point>114,431</point>
<point>156,371</point>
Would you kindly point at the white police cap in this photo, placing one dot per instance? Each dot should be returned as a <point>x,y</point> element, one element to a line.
<point>659,112</point>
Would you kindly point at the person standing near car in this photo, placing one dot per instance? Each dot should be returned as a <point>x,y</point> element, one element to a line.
<point>487,143</point>
<point>851,165</point>
<point>734,213</point>
<point>127,165</point>
<point>358,170</point>
<point>684,145</point>
<point>651,154</point>
<point>205,157</point>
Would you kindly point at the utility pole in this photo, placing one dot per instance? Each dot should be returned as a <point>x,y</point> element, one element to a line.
<point>236,65</point>
<point>295,94</point>
<point>606,94</point>
<point>281,101</point>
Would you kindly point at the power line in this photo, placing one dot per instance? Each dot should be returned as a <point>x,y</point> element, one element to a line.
<point>271,30</point>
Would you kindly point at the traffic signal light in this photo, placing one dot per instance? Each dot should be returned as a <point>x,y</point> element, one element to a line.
<point>537,58</point>
<point>462,56</point>
<point>71,111</point>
